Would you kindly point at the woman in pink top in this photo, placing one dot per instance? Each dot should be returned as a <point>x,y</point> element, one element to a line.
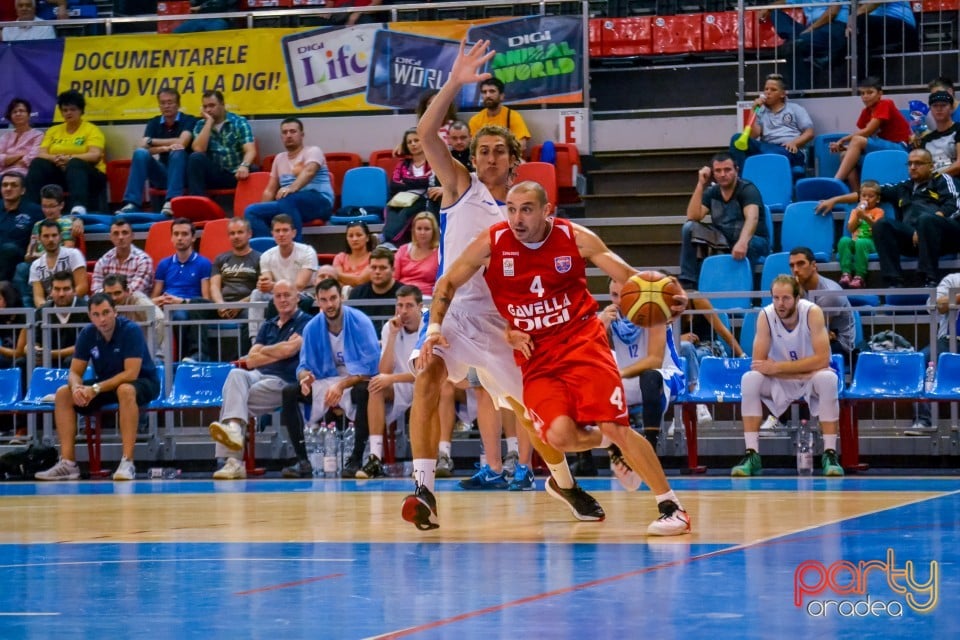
<point>416,262</point>
<point>353,265</point>
<point>19,145</point>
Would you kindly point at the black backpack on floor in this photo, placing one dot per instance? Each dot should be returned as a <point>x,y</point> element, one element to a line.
<point>21,464</point>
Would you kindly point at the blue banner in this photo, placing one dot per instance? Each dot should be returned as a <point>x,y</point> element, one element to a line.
<point>405,65</point>
<point>31,69</point>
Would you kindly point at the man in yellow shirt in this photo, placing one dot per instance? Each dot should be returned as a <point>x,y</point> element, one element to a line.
<point>494,113</point>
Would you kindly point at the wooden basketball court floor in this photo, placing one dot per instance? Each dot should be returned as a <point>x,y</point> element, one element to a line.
<point>776,557</point>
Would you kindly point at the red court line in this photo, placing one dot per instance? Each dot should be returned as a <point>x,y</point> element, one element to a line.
<point>286,585</point>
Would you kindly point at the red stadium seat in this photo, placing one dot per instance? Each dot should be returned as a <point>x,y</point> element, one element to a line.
<point>215,240</point>
<point>249,191</point>
<point>197,209</point>
<point>385,159</point>
<point>118,171</point>
<point>338,163</point>
<point>543,173</point>
<point>159,245</point>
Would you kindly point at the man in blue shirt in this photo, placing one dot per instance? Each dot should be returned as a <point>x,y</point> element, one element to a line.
<point>183,278</point>
<point>124,374</point>
<point>258,389</point>
<point>223,148</point>
<point>166,136</point>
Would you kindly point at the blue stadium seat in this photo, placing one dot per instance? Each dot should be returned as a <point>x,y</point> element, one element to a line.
<point>723,273</point>
<point>776,264</point>
<point>44,382</point>
<point>196,385</point>
<point>803,227</point>
<point>819,188</point>
<point>946,386</point>
<point>366,188</point>
<point>262,244</point>
<point>748,331</point>
<point>771,173</point>
<point>858,327</point>
<point>887,376</point>
<point>884,166</point>
<point>719,380</point>
<point>10,389</point>
<point>825,162</point>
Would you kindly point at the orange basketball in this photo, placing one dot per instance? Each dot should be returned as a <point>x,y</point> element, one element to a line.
<point>645,299</point>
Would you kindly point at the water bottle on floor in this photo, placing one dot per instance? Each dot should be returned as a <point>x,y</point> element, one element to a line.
<point>928,379</point>
<point>331,446</point>
<point>804,450</point>
<point>349,440</point>
<point>313,439</point>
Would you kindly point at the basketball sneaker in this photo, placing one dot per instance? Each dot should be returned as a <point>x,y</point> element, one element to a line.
<point>629,478</point>
<point>523,479</point>
<point>125,470</point>
<point>63,470</point>
<point>770,427</point>
<point>582,505</point>
<point>749,465</point>
<point>302,469</point>
<point>485,479</point>
<point>510,462</point>
<point>420,508</point>
<point>228,434</point>
<point>831,466</point>
<point>444,466</point>
<point>373,469</point>
<point>673,520</point>
<point>232,469</point>
<point>704,417</point>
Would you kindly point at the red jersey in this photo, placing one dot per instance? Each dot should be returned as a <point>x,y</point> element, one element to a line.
<point>893,126</point>
<point>540,290</point>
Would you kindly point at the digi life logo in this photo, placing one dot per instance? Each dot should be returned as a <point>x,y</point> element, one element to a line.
<point>328,63</point>
<point>861,590</point>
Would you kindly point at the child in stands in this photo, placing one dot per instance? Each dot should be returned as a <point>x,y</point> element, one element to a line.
<point>855,250</point>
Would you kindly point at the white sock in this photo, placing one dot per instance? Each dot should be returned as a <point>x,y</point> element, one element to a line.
<point>669,495</point>
<point>444,447</point>
<point>830,441</point>
<point>69,462</point>
<point>512,444</point>
<point>425,472</point>
<point>376,446</point>
<point>561,474</point>
<point>752,438</point>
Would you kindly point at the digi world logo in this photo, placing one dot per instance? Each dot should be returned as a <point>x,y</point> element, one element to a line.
<point>869,588</point>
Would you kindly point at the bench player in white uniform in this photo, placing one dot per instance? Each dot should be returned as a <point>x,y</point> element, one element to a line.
<point>393,385</point>
<point>474,331</point>
<point>791,360</point>
<point>648,362</point>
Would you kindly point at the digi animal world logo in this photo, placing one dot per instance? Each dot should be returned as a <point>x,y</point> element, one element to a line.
<point>862,590</point>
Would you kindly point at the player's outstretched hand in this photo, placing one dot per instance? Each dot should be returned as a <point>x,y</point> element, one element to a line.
<point>466,68</point>
<point>521,342</point>
<point>680,302</point>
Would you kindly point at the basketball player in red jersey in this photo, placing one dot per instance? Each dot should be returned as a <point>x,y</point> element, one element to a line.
<point>535,266</point>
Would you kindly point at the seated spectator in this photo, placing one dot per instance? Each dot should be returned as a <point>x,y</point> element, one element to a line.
<point>289,260</point>
<point>51,203</point>
<point>71,155</point>
<point>416,263</point>
<point>353,265</point>
<point>34,27</point>
<point>882,28</point>
<point>62,339</point>
<point>9,299</point>
<point>734,205</point>
<point>926,206</point>
<point>223,148</point>
<point>20,144</point>
<point>56,259</point>
<point>161,157</point>
<point>941,140</point>
<point>880,126</point>
<point>382,286</point>
<point>17,219</point>
<point>458,139</point>
<point>837,310</point>
<point>943,83</point>
<point>411,178</point>
<point>183,278</point>
<point>942,301</point>
<point>781,127</point>
<point>854,251</point>
<point>125,258</point>
<point>207,24</point>
<point>394,381</point>
<point>495,113</point>
<point>822,34</point>
<point>115,285</point>
<point>234,275</point>
<point>124,374</point>
<point>299,185</point>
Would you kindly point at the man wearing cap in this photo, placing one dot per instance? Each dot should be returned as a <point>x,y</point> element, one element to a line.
<point>941,141</point>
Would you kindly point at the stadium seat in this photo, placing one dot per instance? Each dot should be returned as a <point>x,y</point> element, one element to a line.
<point>568,166</point>
<point>159,245</point>
<point>118,171</point>
<point>748,331</point>
<point>384,159</point>
<point>262,244</point>
<point>197,209</point>
<point>338,163</point>
<point>363,188</point>
<point>44,382</point>
<point>887,376</point>
<point>249,191</point>
<point>11,393</point>
<point>723,273</point>
<point>719,383</point>
<point>819,188</point>
<point>803,227</point>
<point>771,174</point>
<point>826,162</point>
<point>768,220</point>
<point>196,385</point>
<point>885,166</point>
<point>946,386</point>
<point>267,165</point>
<point>215,239</point>
<point>95,222</point>
<point>543,173</point>
<point>776,264</point>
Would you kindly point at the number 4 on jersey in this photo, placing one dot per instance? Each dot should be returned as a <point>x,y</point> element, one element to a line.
<point>536,286</point>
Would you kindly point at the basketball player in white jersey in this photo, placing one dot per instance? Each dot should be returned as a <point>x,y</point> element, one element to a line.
<point>473,331</point>
<point>791,360</point>
<point>648,362</point>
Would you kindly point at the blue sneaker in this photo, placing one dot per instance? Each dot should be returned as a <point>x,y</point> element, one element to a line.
<point>485,479</point>
<point>522,479</point>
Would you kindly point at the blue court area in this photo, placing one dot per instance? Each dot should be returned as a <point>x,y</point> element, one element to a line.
<point>892,572</point>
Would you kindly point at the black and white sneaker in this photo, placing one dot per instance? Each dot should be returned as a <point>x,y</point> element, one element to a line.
<point>420,508</point>
<point>582,505</point>
<point>373,469</point>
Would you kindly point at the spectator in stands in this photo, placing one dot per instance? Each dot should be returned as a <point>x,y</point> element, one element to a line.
<point>837,311</point>
<point>941,140</point>
<point>495,113</point>
<point>62,340</point>
<point>353,265</point>
<point>821,35</point>
<point>56,259</point>
<point>299,185</point>
<point>161,157</point>
<point>223,148</point>
<point>235,273</point>
<point>880,126</point>
<point>20,144</point>
<point>207,24</point>
<point>17,219</point>
<point>394,381</point>
<point>416,263</point>
<point>943,83</point>
<point>356,17</point>
<point>854,251</point>
<point>781,127</point>
<point>882,28</point>
<point>942,300</point>
<point>734,205</point>
<point>382,286</point>
<point>51,203</point>
<point>115,285</point>
<point>183,278</point>
<point>925,205</point>
<point>340,353</point>
<point>71,155</point>
<point>257,389</point>
<point>9,299</point>
<point>289,260</point>
<point>35,29</point>
<point>458,139</point>
<point>411,178</point>
<point>125,258</point>
<point>124,374</point>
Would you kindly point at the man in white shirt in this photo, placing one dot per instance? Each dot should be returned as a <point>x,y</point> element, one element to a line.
<point>55,258</point>
<point>291,261</point>
<point>34,30</point>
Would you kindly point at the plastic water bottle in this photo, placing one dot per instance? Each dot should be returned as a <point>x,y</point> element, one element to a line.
<point>928,379</point>
<point>804,450</point>
<point>313,440</point>
<point>330,446</point>
<point>349,440</point>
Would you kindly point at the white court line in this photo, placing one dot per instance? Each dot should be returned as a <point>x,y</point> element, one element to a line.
<point>157,561</point>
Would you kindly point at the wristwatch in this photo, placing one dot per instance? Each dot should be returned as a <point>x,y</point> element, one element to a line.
<point>96,388</point>
<point>245,164</point>
<point>149,142</point>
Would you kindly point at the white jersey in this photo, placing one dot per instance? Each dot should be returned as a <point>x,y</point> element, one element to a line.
<point>460,224</point>
<point>403,347</point>
<point>627,352</point>
<point>788,344</point>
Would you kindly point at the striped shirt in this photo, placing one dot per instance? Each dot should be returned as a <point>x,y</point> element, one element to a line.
<point>138,267</point>
<point>225,147</point>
